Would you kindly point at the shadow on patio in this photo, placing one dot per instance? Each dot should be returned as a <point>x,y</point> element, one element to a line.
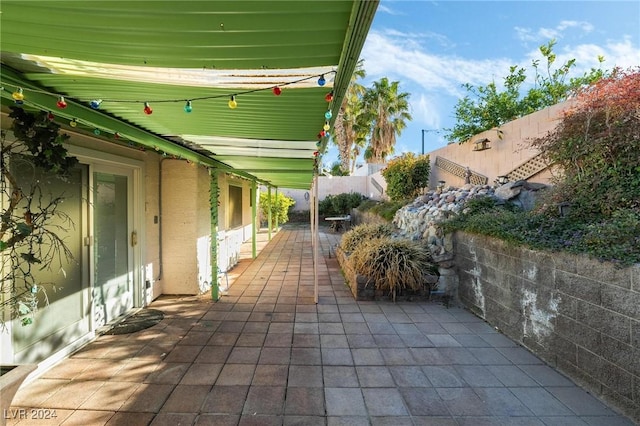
<point>266,354</point>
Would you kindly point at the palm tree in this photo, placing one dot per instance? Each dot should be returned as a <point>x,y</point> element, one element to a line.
<point>348,133</point>
<point>387,111</point>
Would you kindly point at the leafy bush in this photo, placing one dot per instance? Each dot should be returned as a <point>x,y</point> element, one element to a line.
<point>385,209</point>
<point>341,204</point>
<point>406,176</point>
<point>597,146</point>
<point>364,232</point>
<point>392,264</point>
<point>279,204</point>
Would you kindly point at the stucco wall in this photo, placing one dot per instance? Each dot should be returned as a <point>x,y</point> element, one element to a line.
<point>182,213</point>
<point>580,315</point>
<point>334,185</point>
<point>507,152</point>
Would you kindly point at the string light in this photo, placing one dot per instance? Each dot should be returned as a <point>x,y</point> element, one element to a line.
<point>18,95</point>
<point>73,123</point>
<point>326,126</point>
<point>328,114</point>
<point>147,108</point>
<point>188,107</point>
<point>96,132</point>
<point>50,116</point>
<point>116,135</point>
<point>232,102</point>
<point>62,104</point>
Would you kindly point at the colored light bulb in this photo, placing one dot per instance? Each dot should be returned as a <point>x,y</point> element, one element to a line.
<point>18,96</point>
<point>328,114</point>
<point>232,103</point>
<point>277,91</point>
<point>116,135</point>
<point>188,107</point>
<point>329,96</point>
<point>321,80</point>
<point>73,123</point>
<point>50,116</point>
<point>323,133</point>
<point>326,126</point>
<point>147,108</point>
<point>316,153</point>
<point>95,104</point>
<point>96,132</point>
<point>62,104</point>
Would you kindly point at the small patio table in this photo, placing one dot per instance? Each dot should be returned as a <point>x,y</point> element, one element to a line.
<point>338,223</point>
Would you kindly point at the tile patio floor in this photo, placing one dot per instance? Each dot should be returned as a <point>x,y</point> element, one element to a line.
<point>266,354</point>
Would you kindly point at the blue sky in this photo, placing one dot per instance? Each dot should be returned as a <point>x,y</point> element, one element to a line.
<point>433,47</point>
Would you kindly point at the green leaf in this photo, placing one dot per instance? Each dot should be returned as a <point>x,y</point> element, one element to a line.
<point>23,228</point>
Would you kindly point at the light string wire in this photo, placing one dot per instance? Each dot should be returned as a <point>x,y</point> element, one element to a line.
<point>156,101</point>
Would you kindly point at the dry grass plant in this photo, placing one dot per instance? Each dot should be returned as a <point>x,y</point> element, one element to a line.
<point>362,233</point>
<point>392,264</point>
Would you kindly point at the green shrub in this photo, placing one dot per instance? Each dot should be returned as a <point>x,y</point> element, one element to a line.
<point>364,232</point>
<point>615,239</point>
<point>406,176</point>
<point>385,209</point>
<point>280,206</point>
<point>340,204</point>
<point>392,264</point>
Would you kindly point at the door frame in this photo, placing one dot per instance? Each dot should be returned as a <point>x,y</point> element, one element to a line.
<point>110,163</point>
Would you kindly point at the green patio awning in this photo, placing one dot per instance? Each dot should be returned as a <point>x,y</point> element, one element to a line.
<point>165,54</point>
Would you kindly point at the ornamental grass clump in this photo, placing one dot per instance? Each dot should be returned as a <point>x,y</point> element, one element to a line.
<point>364,232</point>
<point>392,264</point>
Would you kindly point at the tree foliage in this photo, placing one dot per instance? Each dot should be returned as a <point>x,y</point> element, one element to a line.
<point>370,118</point>
<point>406,175</point>
<point>349,132</point>
<point>597,147</point>
<point>386,111</point>
<point>279,205</point>
<point>488,107</point>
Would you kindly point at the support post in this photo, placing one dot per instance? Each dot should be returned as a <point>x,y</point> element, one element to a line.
<point>254,220</point>
<point>269,212</point>
<point>317,239</point>
<point>277,210</point>
<point>213,206</point>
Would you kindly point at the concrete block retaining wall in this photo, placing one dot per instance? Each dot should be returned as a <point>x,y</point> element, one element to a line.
<point>580,315</point>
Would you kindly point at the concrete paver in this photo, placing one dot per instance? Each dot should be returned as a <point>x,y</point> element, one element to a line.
<point>267,354</point>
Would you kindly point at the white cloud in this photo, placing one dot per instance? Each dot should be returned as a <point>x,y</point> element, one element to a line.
<point>386,9</point>
<point>402,59</point>
<point>425,110</point>
<point>623,54</point>
<point>543,34</point>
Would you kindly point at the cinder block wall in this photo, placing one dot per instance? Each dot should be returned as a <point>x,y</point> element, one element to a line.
<point>580,315</point>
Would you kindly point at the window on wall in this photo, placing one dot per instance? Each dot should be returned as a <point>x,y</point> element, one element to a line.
<point>235,206</point>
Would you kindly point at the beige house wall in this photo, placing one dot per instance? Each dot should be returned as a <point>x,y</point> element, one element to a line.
<point>508,151</point>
